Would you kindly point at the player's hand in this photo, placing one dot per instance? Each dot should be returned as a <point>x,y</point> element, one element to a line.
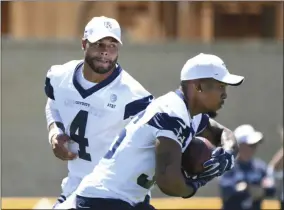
<point>59,149</point>
<point>195,181</point>
<point>220,162</point>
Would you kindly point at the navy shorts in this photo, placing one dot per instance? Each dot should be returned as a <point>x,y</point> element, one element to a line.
<point>109,204</point>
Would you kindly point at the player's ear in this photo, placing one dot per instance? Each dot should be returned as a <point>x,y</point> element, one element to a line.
<point>198,87</point>
<point>84,44</point>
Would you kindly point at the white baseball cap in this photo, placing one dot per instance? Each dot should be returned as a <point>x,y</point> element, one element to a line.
<point>246,134</point>
<point>101,27</point>
<point>209,66</point>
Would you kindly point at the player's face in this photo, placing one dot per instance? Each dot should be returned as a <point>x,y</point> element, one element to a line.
<point>212,95</point>
<point>102,55</point>
<point>246,151</point>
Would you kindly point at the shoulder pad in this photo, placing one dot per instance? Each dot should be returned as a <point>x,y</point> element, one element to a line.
<point>59,70</point>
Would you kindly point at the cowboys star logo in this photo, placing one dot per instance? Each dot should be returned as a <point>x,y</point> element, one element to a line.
<point>108,25</point>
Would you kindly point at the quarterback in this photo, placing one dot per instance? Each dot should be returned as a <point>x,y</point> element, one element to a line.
<point>149,149</point>
<point>89,102</point>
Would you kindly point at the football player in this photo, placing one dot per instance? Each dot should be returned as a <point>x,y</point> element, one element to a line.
<point>90,101</point>
<point>149,149</point>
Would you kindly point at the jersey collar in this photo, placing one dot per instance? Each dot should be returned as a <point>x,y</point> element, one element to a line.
<point>87,92</point>
<point>181,95</point>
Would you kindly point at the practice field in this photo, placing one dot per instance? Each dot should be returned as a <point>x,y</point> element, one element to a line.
<point>159,203</point>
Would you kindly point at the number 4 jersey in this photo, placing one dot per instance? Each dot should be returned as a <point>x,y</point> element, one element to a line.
<point>92,117</point>
<point>127,170</point>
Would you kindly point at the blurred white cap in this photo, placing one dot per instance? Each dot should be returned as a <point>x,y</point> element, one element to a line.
<point>246,134</point>
<point>209,66</point>
<point>101,27</point>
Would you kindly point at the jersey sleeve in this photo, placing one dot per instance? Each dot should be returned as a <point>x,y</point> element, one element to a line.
<point>55,75</point>
<point>170,126</point>
<point>136,106</point>
<point>49,92</point>
<point>50,80</point>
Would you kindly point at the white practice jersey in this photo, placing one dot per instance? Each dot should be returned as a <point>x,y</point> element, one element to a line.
<point>93,117</point>
<point>126,172</point>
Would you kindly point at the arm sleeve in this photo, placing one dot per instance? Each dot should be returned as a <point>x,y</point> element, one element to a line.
<point>51,112</point>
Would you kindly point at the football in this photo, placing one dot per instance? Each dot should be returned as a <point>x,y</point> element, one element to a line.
<point>197,152</point>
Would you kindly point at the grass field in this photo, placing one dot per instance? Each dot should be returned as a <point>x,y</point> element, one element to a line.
<point>159,203</point>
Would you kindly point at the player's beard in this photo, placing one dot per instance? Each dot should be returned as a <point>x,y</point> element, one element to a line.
<point>212,114</point>
<point>92,62</point>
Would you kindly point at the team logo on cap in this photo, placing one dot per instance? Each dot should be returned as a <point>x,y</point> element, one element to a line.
<point>87,33</point>
<point>108,24</point>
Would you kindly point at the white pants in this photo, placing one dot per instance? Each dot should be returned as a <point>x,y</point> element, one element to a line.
<point>67,199</point>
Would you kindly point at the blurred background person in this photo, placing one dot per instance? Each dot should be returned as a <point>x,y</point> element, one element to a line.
<point>246,186</point>
<point>276,168</point>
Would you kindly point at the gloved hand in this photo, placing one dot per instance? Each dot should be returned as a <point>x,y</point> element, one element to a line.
<point>220,162</point>
<point>195,182</point>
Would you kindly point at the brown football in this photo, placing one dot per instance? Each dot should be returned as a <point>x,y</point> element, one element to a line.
<point>197,152</point>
